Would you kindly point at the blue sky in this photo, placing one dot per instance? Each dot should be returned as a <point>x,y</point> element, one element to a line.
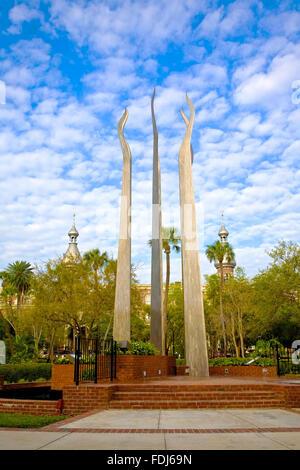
<point>69,68</point>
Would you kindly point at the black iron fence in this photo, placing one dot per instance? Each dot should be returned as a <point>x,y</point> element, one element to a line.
<point>287,360</point>
<point>95,359</point>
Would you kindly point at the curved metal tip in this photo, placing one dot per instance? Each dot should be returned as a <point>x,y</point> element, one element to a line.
<point>123,119</point>
<point>184,117</point>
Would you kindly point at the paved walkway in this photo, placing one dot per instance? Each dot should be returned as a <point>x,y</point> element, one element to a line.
<point>202,429</point>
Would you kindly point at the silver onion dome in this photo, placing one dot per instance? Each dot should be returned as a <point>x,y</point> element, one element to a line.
<point>72,251</point>
<point>223,234</point>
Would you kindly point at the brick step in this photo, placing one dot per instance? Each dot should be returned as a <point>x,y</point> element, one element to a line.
<point>192,388</point>
<point>135,395</point>
<point>115,404</point>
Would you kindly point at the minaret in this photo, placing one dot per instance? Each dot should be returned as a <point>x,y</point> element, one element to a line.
<point>228,266</point>
<point>72,252</point>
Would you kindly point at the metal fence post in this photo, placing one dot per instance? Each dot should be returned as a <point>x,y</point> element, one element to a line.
<point>111,360</point>
<point>115,375</point>
<point>77,357</point>
<point>277,360</point>
<point>96,360</point>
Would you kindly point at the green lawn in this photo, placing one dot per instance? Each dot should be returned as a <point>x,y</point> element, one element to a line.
<point>8,420</point>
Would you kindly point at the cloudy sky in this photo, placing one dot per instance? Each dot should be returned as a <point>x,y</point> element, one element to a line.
<point>69,68</point>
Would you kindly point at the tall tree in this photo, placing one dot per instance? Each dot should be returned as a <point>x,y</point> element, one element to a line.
<point>175,337</point>
<point>277,298</point>
<point>212,312</point>
<point>18,275</point>
<point>240,308</point>
<point>16,279</point>
<point>221,251</point>
<point>96,260</point>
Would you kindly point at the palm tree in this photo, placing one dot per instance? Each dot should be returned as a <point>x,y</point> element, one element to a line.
<point>170,241</point>
<point>220,251</point>
<point>15,281</point>
<point>18,275</point>
<point>96,260</point>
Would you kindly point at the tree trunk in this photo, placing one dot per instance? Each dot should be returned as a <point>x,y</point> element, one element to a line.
<point>221,309</point>
<point>237,352</point>
<point>108,328</point>
<point>51,346</point>
<point>165,306</point>
<point>240,324</point>
<point>37,336</point>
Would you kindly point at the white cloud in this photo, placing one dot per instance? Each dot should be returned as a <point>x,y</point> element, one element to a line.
<point>127,28</point>
<point>59,146</point>
<point>263,88</point>
<point>286,23</point>
<point>21,13</point>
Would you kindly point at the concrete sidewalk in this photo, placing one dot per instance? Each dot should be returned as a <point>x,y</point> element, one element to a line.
<point>200,429</point>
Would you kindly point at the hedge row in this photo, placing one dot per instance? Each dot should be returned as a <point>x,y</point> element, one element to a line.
<point>13,373</point>
<point>240,361</point>
<point>236,361</point>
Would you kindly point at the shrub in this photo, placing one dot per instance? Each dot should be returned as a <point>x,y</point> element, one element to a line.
<point>240,361</point>
<point>27,372</point>
<point>180,362</point>
<point>266,348</point>
<point>228,361</point>
<point>140,348</point>
<point>23,351</point>
<point>62,360</point>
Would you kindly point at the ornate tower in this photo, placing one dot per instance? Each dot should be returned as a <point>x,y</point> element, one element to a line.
<point>72,252</point>
<point>228,266</point>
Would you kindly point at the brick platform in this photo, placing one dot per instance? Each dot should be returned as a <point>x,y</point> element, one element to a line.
<point>30,407</point>
<point>24,406</point>
<point>129,368</point>
<point>182,392</point>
